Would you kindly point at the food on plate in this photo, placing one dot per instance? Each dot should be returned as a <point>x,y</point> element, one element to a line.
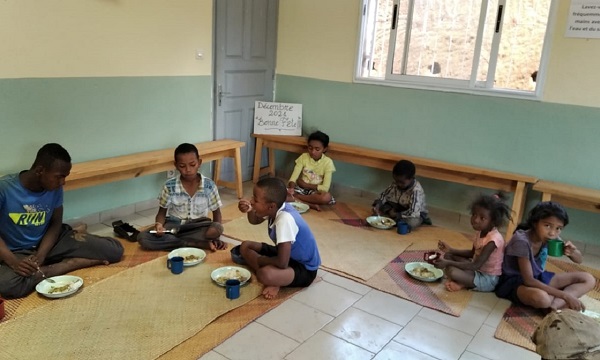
<point>386,222</point>
<point>231,274</point>
<point>299,207</point>
<point>191,258</point>
<point>433,256</point>
<point>423,272</point>
<point>60,289</point>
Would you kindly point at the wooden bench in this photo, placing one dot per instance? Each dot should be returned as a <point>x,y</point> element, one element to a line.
<point>434,169</point>
<point>101,171</point>
<point>569,195</point>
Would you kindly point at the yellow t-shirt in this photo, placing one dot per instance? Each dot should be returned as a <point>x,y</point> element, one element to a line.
<point>315,172</point>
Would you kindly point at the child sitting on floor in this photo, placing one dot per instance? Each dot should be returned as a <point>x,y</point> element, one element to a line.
<point>311,178</point>
<point>295,259</point>
<point>480,267</point>
<point>404,199</point>
<point>183,206</point>
<point>524,279</point>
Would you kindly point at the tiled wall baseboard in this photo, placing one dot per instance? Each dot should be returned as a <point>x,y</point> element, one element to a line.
<point>108,215</point>
<point>449,218</point>
<point>443,217</point>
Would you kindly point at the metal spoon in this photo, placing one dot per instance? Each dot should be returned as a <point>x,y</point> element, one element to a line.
<point>44,276</point>
<point>171,231</point>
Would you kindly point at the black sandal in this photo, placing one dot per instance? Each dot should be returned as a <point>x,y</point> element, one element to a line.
<point>125,230</point>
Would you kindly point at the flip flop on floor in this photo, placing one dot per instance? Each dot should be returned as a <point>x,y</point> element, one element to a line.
<point>125,230</point>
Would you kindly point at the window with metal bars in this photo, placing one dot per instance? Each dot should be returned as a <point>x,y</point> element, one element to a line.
<point>492,46</point>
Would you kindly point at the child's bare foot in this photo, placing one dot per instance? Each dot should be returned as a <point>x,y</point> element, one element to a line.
<point>314,206</point>
<point>270,292</point>
<point>212,245</point>
<point>453,286</point>
<point>71,264</point>
<point>80,228</point>
<point>80,263</point>
<point>217,245</point>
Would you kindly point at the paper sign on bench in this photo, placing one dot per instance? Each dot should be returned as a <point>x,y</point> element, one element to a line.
<point>277,118</point>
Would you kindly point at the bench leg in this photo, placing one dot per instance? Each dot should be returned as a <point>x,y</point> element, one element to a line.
<point>238,172</point>
<point>257,157</point>
<point>271,162</point>
<point>517,209</point>
<point>217,172</point>
<point>546,196</point>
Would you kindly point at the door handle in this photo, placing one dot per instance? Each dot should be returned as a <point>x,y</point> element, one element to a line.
<point>220,94</point>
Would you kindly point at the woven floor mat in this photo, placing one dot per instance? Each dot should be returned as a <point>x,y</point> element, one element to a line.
<point>225,326</point>
<point>345,243</point>
<point>140,313</point>
<point>133,255</point>
<point>393,278</point>
<point>519,323</point>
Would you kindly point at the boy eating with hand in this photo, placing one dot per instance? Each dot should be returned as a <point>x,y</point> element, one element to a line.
<point>295,259</point>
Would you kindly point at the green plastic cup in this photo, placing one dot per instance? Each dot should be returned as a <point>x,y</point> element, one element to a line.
<point>556,247</point>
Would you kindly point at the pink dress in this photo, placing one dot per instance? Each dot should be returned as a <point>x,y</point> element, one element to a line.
<point>493,266</point>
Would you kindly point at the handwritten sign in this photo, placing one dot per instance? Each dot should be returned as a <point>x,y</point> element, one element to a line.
<point>277,118</point>
<point>584,19</point>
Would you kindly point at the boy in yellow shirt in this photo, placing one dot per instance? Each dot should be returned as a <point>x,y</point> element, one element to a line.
<point>311,178</point>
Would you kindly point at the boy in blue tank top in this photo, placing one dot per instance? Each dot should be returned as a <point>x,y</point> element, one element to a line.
<point>294,260</point>
<point>34,243</point>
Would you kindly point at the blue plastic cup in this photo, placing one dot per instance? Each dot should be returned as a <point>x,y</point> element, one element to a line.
<point>175,264</point>
<point>403,228</point>
<point>232,289</point>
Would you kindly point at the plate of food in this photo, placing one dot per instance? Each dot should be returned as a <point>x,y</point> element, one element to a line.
<point>191,256</point>
<point>423,271</point>
<point>222,274</point>
<point>63,285</point>
<point>381,222</point>
<point>301,207</point>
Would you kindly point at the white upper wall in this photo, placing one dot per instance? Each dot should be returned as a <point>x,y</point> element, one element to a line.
<point>316,39</point>
<point>93,38</point>
<point>573,69</point>
<point>319,38</point>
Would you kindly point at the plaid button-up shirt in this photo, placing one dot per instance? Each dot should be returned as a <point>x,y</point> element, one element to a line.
<point>181,205</point>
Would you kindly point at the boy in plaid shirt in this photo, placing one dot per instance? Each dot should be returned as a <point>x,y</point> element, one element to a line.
<point>404,199</point>
<point>184,203</point>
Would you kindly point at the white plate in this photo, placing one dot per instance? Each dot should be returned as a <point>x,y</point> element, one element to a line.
<point>410,267</point>
<point>222,274</point>
<point>594,315</point>
<point>45,287</point>
<point>381,222</point>
<point>188,251</point>
<point>301,207</point>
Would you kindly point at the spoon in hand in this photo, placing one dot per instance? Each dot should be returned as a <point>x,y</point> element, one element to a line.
<point>171,231</point>
<point>44,276</point>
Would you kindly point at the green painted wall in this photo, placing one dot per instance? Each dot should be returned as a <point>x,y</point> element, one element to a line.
<point>102,117</point>
<point>550,141</point>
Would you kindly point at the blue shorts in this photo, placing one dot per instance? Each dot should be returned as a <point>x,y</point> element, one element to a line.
<point>302,276</point>
<point>508,285</point>
<point>485,282</point>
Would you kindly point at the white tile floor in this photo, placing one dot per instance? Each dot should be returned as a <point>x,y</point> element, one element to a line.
<point>338,318</point>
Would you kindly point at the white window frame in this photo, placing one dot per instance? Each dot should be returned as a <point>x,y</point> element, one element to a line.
<point>454,85</point>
